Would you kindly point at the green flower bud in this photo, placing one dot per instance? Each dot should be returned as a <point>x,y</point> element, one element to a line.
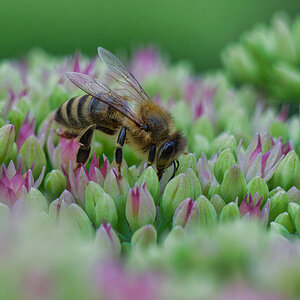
<point>180,111</point>
<point>223,142</point>
<point>149,176</point>
<point>274,191</point>
<point>279,229</point>
<point>16,117</point>
<point>100,205</point>
<point>225,161</point>
<point>186,161</point>
<point>140,207</point>
<point>118,189</point>
<point>207,212</point>
<point>258,185</point>
<point>233,185</point>
<point>33,153</point>
<point>54,183</point>
<point>199,144</point>
<point>293,195</point>
<point>144,237</point>
<point>7,137</point>
<point>285,220</point>
<point>204,127</point>
<point>278,129</point>
<point>241,63</point>
<point>176,234</point>
<point>186,214</point>
<point>278,204</point>
<point>287,171</point>
<point>214,190</point>
<point>297,221</point>
<point>229,212</point>
<point>36,201</point>
<point>218,203</point>
<point>79,218</point>
<point>58,96</point>
<point>178,189</point>
<point>13,155</point>
<point>292,210</point>
<point>107,240</point>
<point>191,177</point>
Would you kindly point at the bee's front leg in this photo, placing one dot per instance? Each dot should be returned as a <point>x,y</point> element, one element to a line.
<point>85,146</point>
<point>119,152</point>
<point>151,156</point>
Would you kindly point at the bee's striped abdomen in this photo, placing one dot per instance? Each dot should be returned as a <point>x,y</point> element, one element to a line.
<point>74,113</point>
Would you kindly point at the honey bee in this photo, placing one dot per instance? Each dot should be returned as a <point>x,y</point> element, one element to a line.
<point>119,106</point>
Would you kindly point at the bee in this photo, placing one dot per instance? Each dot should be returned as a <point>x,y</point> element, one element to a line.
<point>119,106</point>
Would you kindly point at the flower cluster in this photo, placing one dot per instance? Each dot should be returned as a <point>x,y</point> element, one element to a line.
<point>241,172</point>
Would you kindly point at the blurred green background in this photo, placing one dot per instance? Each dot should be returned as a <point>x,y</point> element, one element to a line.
<point>196,29</point>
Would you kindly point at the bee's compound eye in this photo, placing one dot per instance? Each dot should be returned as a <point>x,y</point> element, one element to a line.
<point>168,149</point>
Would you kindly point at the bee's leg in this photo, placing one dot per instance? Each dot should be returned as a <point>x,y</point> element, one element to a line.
<point>151,156</point>
<point>119,152</point>
<point>67,134</point>
<point>85,146</point>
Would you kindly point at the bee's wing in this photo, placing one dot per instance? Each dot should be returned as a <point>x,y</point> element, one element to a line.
<point>123,82</point>
<point>103,93</point>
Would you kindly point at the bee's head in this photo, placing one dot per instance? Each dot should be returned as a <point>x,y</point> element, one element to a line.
<point>169,151</point>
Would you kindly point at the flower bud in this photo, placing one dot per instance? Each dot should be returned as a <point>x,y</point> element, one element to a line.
<point>293,195</point>
<point>16,117</point>
<point>279,229</point>
<point>144,237</point>
<point>229,212</point>
<point>225,161</point>
<point>218,203</point>
<point>107,239</point>
<point>55,182</point>
<point>223,141</point>
<point>191,177</point>
<point>140,207</point>
<point>186,161</point>
<point>65,199</point>
<point>79,219</point>
<point>205,174</point>
<point>292,210</point>
<point>207,212</point>
<point>177,233</point>
<point>7,137</point>
<point>287,171</point>
<point>36,201</point>
<point>285,220</point>
<point>177,189</point>
<point>149,176</point>
<point>258,185</point>
<point>186,214</point>
<point>199,144</point>
<point>33,154</point>
<point>12,156</point>
<point>297,221</point>
<point>278,129</point>
<point>278,204</point>
<point>214,190</point>
<point>100,205</point>
<point>233,185</point>
<point>118,189</point>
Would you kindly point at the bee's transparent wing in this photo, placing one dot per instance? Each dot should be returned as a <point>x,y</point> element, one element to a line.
<point>103,93</point>
<point>122,81</point>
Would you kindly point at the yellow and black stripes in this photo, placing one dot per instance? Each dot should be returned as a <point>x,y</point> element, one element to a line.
<point>74,113</point>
